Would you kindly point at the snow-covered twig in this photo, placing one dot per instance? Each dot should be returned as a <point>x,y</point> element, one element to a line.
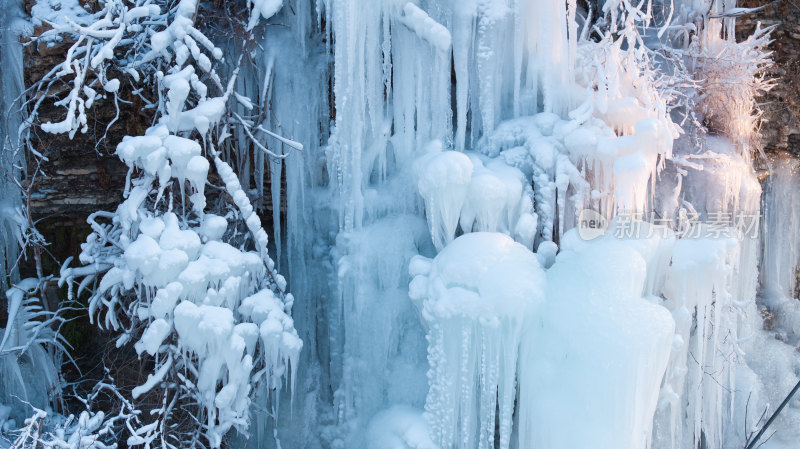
<point>204,304</point>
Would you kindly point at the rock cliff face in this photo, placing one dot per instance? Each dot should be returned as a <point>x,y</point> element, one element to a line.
<point>82,174</point>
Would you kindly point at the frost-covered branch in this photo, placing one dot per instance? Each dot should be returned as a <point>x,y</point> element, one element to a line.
<point>732,76</point>
<point>193,289</point>
<point>89,430</point>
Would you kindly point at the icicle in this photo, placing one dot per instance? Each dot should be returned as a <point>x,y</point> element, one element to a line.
<point>12,152</point>
<point>276,170</point>
<point>379,197</point>
<point>781,224</point>
<point>475,296</point>
<point>27,378</point>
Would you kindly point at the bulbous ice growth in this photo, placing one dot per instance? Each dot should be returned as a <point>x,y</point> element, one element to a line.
<point>443,179</point>
<point>399,427</point>
<point>475,296</point>
<point>592,360</point>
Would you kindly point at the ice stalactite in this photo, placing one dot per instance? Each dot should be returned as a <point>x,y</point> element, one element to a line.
<point>28,374</point>
<point>511,58</point>
<point>290,64</point>
<point>444,180</point>
<point>393,138</point>
<point>781,221</point>
<point>12,155</point>
<point>359,79</point>
<point>372,284</point>
<point>771,369</point>
<point>550,49</point>
<point>386,113</point>
<point>390,115</point>
<point>699,385</point>
<point>27,371</point>
<point>710,290</point>
<point>422,108</point>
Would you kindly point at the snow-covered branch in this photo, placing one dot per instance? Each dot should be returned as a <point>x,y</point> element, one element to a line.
<point>195,290</point>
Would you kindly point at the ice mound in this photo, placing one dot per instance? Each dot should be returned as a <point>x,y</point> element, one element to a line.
<point>582,341</point>
<point>443,180</point>
<point>399,427</point>
<point>596,352</point>
<point>475,296</point>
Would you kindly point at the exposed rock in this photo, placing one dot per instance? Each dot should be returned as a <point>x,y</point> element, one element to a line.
<point>82,174</point>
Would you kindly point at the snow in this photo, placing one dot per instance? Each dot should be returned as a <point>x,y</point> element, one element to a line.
<point>196,287</point>
<point>199,284</point>
<point>154,336</point>
<point>263,8</point>
<point>426,27</point>
<point>142,255</point>
<point>213,227</point>
<point>57,12</point>
<point>479,263</point>
<point>152,381</point>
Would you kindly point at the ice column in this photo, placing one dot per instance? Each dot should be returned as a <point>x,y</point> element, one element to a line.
<point>391,87</point>
<point>12,155</point>
<point>781,226</point>
<point>592,361</point>
<point>710,290</point>
<point>291,82</point>
<point>700,376</point>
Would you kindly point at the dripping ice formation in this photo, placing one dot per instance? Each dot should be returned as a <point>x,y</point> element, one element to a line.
<point>467,139</point>
<point>475,297</point>
<point>432,234</point>
<point>31,375</point>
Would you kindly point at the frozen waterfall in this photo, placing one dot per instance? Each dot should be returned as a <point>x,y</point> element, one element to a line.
<point>505,230</point>
<point>484,118</point>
